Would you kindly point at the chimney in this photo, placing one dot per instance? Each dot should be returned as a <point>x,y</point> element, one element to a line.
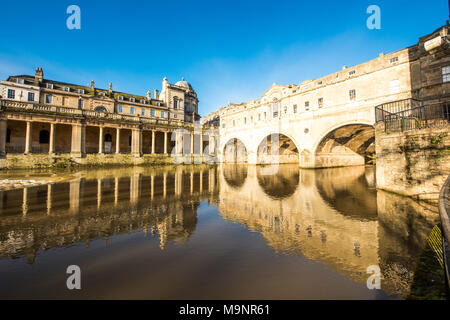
<point>110,88</point>
<point>92,84</point>
<point>39,76</point>
<point>156,94</point>
<point>149,95</point>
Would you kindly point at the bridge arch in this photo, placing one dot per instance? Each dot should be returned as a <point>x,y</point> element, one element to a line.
<point>235,151</point>
<point>346,144</point>
<point>277,148</point>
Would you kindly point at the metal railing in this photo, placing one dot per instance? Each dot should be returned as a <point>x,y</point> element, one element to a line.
<point>409,114</point>
<point>90,114</point>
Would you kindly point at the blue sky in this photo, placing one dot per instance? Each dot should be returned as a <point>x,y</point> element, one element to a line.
<point>230,51</point>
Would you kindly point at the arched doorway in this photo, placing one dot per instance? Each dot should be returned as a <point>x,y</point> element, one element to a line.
<point>234,152</point>
<point>348,145</point>
<point>277,148</point>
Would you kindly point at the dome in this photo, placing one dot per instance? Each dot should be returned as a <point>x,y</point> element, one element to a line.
<point>184,84</point>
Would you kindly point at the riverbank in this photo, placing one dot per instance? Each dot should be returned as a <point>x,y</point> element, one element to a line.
<point>56,161</point>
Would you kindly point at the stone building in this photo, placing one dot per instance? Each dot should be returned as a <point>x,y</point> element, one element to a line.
<point>39,115</point>
<point>331,121</point>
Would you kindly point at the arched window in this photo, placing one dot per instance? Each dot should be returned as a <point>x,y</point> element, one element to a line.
<point>8,135</point>
<point>175,102</point>
<point>101,109</point>
<point>108,138</point>
<point>44,136</point>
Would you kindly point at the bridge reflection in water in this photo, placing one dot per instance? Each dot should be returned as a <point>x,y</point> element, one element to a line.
<point>334,217</point>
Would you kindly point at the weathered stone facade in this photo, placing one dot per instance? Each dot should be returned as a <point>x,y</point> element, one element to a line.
<point>39,116</point>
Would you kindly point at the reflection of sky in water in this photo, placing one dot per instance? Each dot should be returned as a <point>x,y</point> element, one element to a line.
<point>166,233</point>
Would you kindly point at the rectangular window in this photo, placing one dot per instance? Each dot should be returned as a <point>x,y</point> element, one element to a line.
<point>153,113</point>
<point>175,104</point>
<point>163,114</point>
<point>132,99</point>
<point>275,114</point>
<point>285,110</point>
<point>319,83</point>
<point>352,94</point>
<point>11,94</point>
<point>394,86</point>
<point>63,101</point>
<point>352,73</point>
<point>265,116</point>
<point>67,89</point>
<point>320,102</point>
<point>120,108</point>
<point>295,108</point>
<point>245,120</point>
<point>446,74</point>
<point>142,112</point>
<point>80,104</point>
<point>132,110</point>
<point>393,60</point>
<point>307,106</point>
<point>48,99</point>
<point>259,116</point>
<point>81,91</point>
<point>49,86</point>
<point>21,81</point>
<point>30,96</point>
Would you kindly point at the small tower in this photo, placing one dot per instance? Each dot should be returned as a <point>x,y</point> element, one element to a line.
<point>110,88</point>
<point>164,83</point>
<point>39,76</point>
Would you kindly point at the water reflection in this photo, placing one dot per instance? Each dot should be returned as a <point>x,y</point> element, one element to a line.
<point>334,217</point>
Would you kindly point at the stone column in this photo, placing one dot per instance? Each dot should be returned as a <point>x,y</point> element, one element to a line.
<point>136,142</point>
<point>78,140</point>
<point>118,140</point>
<point>49,198</point>
<point>101,143</point>
<point>74,195</point>
<point>165,142</point>
<point>164,184</point>
<point>153,141</point>
<point>3,128</point>
<point>192,143</point>
<point>51,145</point>
<point>25,202</point>
<point>28,133</point>
<point>201,143</point>
<point>99,193</point>
<point>211,145</point>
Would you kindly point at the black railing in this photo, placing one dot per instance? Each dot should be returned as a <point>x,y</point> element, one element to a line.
<point>407,115</point>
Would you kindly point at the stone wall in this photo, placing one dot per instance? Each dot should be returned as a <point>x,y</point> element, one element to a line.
<point>414,163</point>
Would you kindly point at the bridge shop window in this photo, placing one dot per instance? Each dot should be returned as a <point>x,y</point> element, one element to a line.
<point>153,113</point>
<point>142,112</point>
<point>320,102</point>
<point>163,114</point>
<point>48,99</point>
<point>11,94</point>
<point>80,104</point>
<point>132,110</point>
<point>295,108</point>
<point>31,96</point>
<point>446,74</point>
<point>120,110</point>
<point>306,105</point>
<point>352,94</point>
<point>44,136</point>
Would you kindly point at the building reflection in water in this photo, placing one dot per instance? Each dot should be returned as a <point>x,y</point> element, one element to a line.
<point>333,216</point>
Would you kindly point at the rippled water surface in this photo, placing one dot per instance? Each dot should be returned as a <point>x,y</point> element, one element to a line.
<point>219,232</point>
